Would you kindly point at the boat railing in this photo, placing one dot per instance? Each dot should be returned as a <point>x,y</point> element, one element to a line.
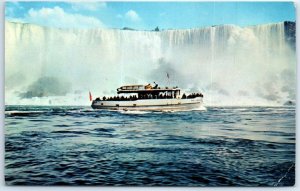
<point>134,87</point>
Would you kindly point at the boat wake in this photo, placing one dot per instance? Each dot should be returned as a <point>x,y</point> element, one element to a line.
<point>125,111</point>
<point>133,112</point>
<point>201,108</point>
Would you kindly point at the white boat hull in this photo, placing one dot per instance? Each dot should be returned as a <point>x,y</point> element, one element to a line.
<point>150,104</point>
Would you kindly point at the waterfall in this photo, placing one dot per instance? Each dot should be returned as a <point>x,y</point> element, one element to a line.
<point>231,65</point>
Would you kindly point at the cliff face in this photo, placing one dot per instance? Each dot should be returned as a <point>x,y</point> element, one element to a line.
<point>290,33</point>
<point>229,64</point>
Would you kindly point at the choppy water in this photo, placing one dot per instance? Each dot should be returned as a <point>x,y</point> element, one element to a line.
<point>249,146</point>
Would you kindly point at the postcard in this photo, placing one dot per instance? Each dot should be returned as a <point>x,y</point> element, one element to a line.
<point>150,93</point>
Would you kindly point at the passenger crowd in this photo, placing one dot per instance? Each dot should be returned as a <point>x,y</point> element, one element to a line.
<point>147,96</point>
<point>193,95</point>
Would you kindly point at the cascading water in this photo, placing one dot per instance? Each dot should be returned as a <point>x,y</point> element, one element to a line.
<point>231,65</point>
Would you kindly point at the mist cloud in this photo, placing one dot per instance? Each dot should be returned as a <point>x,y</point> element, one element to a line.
<point>215,87</point>
<point>165,69</point>
<point>229,64</point>
<point>269,90</point>
<point>289,83</point>
<point>46,86</point>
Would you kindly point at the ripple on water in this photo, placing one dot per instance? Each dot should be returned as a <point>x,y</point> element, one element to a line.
<point>80,146</point>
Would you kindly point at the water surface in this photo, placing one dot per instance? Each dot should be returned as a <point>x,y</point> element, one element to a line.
<point>222,146</point>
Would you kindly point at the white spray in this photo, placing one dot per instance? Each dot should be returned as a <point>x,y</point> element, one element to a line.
<point>229,64</point>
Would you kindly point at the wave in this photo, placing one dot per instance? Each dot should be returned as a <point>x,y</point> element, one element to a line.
<point>23,113</point>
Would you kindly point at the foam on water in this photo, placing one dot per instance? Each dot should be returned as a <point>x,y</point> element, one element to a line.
<point>201,108</point>
<point>133,112</point>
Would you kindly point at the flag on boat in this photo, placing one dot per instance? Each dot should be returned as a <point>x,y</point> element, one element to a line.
<point>91,98</point>
<point>168,75</point>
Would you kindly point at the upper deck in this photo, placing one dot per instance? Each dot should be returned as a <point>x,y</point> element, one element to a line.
<point>145,89</point>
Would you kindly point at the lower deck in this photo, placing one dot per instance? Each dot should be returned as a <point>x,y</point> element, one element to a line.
<point>153,104</point>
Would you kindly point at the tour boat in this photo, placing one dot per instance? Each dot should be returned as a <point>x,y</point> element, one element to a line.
<point>148,98</point>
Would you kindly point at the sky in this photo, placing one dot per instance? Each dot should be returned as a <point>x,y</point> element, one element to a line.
<point>148,15</point>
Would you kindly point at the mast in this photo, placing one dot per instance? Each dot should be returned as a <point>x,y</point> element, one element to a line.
<point>168,79</point>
